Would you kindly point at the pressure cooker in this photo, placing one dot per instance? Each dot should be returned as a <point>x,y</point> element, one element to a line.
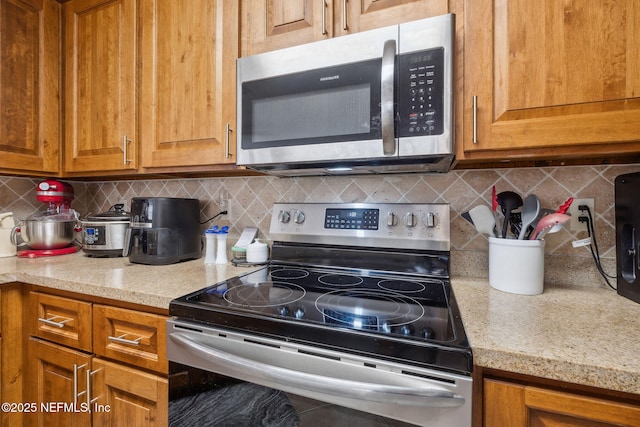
<point>103,234</point>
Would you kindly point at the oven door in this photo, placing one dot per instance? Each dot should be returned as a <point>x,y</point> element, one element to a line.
<point>241,378</point>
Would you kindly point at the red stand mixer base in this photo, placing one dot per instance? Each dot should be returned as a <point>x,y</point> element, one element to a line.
<point>35,253</point>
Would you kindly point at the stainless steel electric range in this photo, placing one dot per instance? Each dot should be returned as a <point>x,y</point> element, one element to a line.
<point>355,313</point>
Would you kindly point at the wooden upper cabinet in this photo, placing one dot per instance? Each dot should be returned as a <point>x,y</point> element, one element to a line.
<point>273,24</point>
<point>29,86</point>
<point>551,74</point>
<point>362,15</point>
<point>188,50</point>
<point>100,78</point>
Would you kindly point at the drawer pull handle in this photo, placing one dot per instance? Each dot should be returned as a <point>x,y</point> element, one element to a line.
<point>52,322</point>
<point>122,340</point>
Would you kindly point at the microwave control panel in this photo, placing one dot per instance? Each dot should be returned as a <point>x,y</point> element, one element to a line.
<point>421,93</point>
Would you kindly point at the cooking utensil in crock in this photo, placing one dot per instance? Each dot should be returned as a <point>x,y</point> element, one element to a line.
<point>547,222</point>
<point>508,201</point>
<point>483,219</point>
<point>530,211</point>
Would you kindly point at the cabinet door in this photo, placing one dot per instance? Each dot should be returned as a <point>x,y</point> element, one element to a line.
<point>550,74</point>
<point>356,16</point>
<point>274,24</point>
<point>51,382</point>
<point>187,107</point>
<point>100,76</point>
<point>128,397</point>
<point>29,85</point>
<point>507,404</point>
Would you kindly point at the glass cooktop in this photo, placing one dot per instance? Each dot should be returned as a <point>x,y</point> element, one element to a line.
<point>408,307</point>
<point>394,316</point>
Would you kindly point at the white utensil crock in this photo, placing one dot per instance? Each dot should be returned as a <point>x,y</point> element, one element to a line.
<point>516,266</point>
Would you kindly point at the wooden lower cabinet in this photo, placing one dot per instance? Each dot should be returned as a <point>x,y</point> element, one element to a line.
<point>106,393</point>
<point>126,396</point>
<point>52,384</point>
<point>514,405</point>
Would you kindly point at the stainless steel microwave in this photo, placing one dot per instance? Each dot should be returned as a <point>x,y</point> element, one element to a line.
<point>379,101</point>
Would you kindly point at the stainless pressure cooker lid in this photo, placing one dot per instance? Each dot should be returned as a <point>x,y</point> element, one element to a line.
<point>115,213</point>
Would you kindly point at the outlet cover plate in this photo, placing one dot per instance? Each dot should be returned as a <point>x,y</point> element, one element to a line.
<point>574,224</point>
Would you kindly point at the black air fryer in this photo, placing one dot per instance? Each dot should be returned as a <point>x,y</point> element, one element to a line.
<point>163,230</point>
<point>627,188</point>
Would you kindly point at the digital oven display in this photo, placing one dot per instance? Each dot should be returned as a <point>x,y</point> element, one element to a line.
<point>352,219</point>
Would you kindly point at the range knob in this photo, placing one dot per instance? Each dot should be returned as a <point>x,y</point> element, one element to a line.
<point>284,217</point>
<point>392,220</point>
<point>385,327</point>
<point>410,220</point>
<point>298,216</point>
<point>430,220</point>
<point>428,333</point>
<point>284,311</point>
<point>407,330</point>
<point>298,313</point>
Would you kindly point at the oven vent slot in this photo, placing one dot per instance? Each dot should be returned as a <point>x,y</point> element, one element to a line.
<point>429,377</point>
<point>325,356</point>
<point>187,328</point>
<point>261,343</point>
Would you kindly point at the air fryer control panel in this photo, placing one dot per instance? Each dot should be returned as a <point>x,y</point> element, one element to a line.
<point>421,93</point>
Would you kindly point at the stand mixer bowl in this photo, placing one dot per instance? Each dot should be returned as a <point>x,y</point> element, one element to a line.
<point>42,234</point>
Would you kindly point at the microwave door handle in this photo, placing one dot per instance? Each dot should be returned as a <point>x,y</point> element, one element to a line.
<point>387,113</point>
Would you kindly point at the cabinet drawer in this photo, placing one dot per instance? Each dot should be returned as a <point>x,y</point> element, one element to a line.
<point>130,336</point>
<point>62,320</point>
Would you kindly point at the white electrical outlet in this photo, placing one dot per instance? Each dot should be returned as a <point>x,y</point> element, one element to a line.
<point>575,224</point>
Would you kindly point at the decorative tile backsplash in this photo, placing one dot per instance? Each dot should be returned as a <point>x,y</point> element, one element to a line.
<point>249,199</point>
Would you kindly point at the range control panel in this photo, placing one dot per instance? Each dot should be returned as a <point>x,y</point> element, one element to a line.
<point>388,225</point>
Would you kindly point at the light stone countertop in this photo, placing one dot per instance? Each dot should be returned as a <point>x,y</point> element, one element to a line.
<point>117,278</point>
<point>582,335</point>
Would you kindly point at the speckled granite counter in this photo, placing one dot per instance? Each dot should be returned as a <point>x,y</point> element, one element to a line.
<point>582,335</point>
<point>116,278</point>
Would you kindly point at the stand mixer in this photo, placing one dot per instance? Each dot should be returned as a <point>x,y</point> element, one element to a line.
<point>50,232</point>
<point>57,194</point>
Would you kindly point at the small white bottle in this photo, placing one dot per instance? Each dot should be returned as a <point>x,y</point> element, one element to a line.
<point>221,257</point>
<point>210,249</point>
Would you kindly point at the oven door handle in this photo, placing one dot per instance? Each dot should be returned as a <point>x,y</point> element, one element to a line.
<point>429,395</point>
